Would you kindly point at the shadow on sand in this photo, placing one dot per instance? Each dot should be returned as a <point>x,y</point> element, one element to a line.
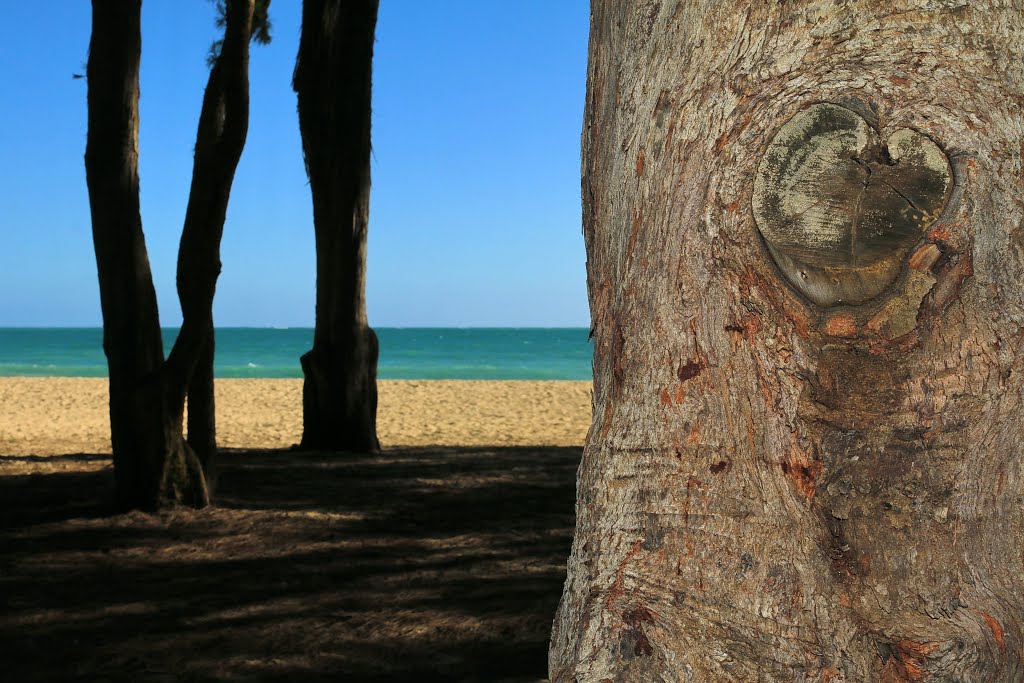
<point>419,564</point>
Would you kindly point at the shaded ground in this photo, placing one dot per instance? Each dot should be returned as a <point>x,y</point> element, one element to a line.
<point>421,564</point>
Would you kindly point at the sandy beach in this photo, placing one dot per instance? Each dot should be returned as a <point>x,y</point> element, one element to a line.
<point>442,558</point>
<point>58,415</point>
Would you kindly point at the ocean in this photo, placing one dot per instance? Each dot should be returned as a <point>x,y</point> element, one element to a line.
<point>405,353</point>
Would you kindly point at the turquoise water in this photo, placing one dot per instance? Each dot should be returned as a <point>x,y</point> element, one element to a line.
<point>405,353</point>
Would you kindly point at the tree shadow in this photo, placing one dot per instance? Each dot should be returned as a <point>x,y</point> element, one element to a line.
<point>29,499</point>
<point>418,564</point>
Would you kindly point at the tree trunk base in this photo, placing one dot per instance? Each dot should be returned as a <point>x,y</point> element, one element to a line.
<point>339,407</point>
<point>183,481</point>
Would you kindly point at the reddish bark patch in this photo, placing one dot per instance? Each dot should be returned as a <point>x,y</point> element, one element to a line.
<point>752,325</point>
<point>799,320</point>
<point>896,671</point>
<point>802,472</point>
<point>828,675</point>
<point>640,163</point>
<point>938,232</point>
<point>997,631</point>
<point>721,466</point>
<point>606,424</point>
<point>747,328</point>
<point>840,325</point>
<point>924,258</point>
<point>910,648</point>
<point>950,281</point>
<point>616,590</point>
<point>907,661</point>
<point>721,142</point>
<point>676,397</point>
<point>694,436</point>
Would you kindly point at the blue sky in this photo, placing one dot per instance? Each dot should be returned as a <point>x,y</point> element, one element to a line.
<point>475,212</point>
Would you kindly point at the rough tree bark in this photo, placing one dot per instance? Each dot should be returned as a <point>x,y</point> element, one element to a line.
<point>775,489</point>
<point>220,139</point>
<point>154,466</point>
<point>333,82</point>
<point>131,327</point>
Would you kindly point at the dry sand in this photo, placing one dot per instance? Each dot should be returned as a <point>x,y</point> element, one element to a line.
<point>440,559</point>
<point>49,415</point>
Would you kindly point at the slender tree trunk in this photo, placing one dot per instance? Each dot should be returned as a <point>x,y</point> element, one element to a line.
<point>220,139</point>
<point>154,466</point>
<point>805,462</point>
<point>202,414</point>
<point>333,83</point>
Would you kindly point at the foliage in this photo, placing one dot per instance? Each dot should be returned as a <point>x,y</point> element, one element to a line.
<point>261,27</point>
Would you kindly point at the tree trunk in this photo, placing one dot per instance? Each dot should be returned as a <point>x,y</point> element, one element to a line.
<point>333,83</point>
<point>220,139</point>
<point>150,462</point>
<point>805,244</point>
<point>154,466</point>
<point>202,413</point>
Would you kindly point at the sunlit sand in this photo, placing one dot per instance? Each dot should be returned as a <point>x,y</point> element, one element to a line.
<point>58,415</point>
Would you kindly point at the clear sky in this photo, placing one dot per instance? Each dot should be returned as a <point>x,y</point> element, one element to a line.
<point>475,212</point>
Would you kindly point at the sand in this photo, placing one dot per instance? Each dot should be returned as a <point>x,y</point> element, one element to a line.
<point>49,415</point>
<point>442,558</point>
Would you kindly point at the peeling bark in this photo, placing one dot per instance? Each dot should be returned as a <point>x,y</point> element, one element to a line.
<point>775,489</point>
